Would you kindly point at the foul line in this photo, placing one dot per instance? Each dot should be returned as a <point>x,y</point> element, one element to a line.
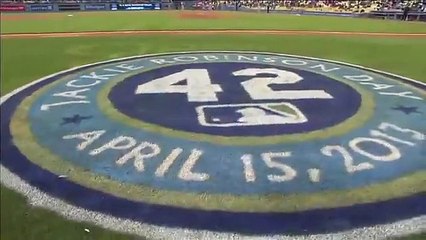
<point>201,32</point>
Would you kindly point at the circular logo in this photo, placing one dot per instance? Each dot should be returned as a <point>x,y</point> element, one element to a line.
<point>222,143</point>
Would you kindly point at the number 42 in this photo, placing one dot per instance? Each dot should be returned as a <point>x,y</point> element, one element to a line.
<point>200,89</point>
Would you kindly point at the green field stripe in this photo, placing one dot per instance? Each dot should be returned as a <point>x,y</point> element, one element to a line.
<point>170,20</point>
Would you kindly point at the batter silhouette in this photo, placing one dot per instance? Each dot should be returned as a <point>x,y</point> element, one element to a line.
<point>252,115</point>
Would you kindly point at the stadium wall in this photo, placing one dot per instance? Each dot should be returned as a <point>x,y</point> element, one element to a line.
<point>56,7</point>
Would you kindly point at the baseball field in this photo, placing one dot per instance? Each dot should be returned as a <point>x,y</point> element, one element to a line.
<point>37,45</point>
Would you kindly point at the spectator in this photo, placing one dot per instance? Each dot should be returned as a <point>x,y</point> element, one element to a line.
<point>406,11</point>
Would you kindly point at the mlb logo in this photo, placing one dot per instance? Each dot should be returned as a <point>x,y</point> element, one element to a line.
<point>249,114</point>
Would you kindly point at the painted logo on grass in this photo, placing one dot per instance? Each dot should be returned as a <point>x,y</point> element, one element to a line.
<point>229,142</point>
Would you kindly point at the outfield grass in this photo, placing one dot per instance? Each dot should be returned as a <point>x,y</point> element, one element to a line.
<point>112,21</point>
<point>29,59</point>
<point>24,60</point>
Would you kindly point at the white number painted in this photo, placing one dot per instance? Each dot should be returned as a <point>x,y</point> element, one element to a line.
<point>198,85</point>
<point>347,158</point>
<point>415,134</point>
<point>376,133</point>
<point>248,167</point>
<point>200,89</point>
<point>258,87</point>
<point>394,153</point>
<point>288,172</point>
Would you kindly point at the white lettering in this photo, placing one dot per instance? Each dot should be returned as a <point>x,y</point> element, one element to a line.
<point>46,107</point>
<point>165,165</point>
<point>139,155</point>
<point>119,143</point>
<point>93,75</point>
<point>114,70</point>
<point>186,172</point>
<point>401,94</point>
<point>245,58</point>
<point>161,61</point>
<point>322,67</point>
<point>129,67</point>
<point>359,78</point>
<point>72,94</point>
<point>294,62</point>
<point>377,86</point>
<point>72,84</point>
<point>125,66</point>
<point>88,137</point>
<point>210,58</point>
<point>269,60</point>
<point>185,59</point>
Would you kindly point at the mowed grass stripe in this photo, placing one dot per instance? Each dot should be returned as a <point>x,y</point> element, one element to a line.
<point>24,60</point>
<point>166,20</point>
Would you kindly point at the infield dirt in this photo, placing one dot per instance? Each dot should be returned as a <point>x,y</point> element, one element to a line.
<point>209,32</point>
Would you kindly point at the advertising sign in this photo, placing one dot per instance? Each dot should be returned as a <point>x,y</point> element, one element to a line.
<point>136,6</point>
<point>12,8</point>
<point>69,7</point>
<point>95,7</point>
<point>41,7</point>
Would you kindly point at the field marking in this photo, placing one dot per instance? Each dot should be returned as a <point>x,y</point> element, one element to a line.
<point>38,198</point>
<point>208,32</point>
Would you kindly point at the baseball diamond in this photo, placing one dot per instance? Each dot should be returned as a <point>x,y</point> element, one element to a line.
<point>198,135</point>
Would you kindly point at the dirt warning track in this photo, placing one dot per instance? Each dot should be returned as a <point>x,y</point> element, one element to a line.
<point>208,32</point>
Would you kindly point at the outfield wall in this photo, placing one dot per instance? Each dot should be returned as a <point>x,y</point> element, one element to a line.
<point>58,7</point>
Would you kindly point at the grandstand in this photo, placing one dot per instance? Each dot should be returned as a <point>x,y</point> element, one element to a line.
<point>336,5</point>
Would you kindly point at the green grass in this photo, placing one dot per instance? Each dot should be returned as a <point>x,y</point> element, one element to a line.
<point>108,21</point>
<point>24,60</point>
<point>21,221</point>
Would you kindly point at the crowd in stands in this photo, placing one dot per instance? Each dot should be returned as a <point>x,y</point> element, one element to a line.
<point>80,1</point>
<point>336,5</point>
<point>343,6</point>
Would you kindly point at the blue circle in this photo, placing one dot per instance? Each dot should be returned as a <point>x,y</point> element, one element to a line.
<point>303,223</point>
<point>182,114</point>
<point>298,223</point>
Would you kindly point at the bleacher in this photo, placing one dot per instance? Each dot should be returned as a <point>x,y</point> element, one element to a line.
<point>344,6</point>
